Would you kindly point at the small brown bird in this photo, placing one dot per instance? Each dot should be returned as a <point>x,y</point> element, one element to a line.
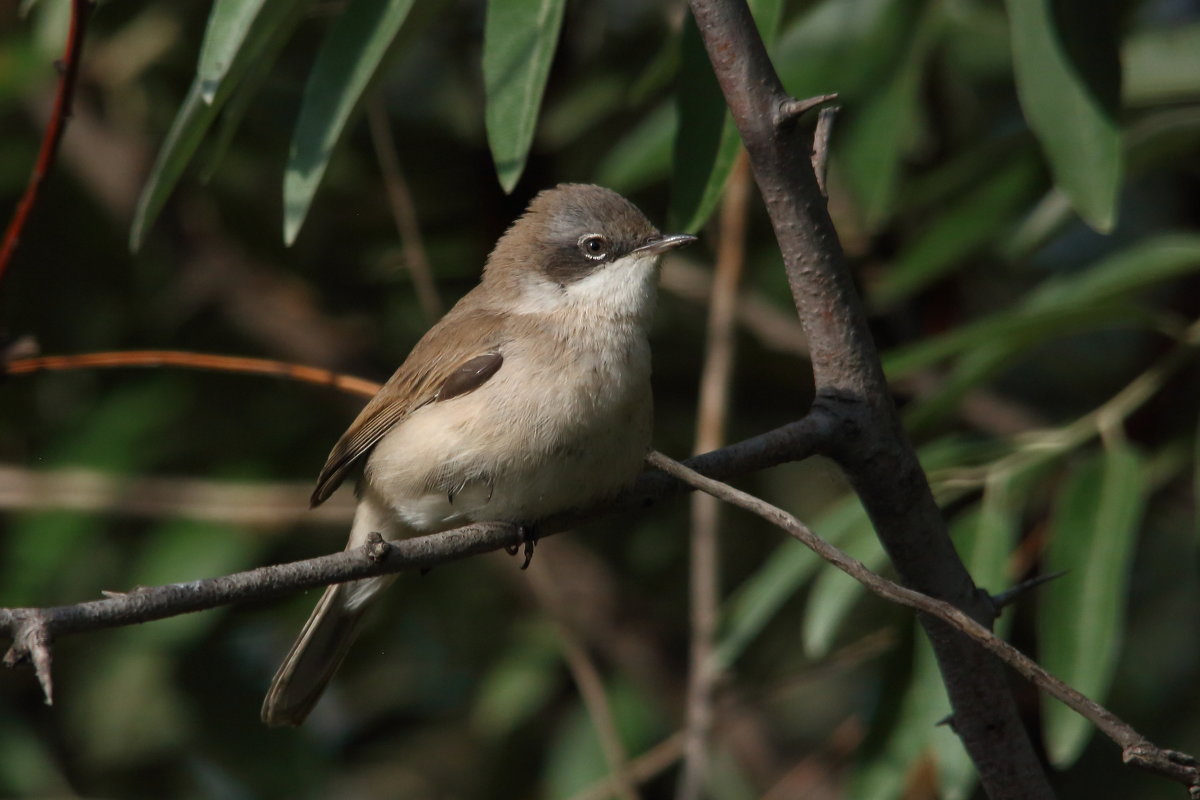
<point>531,396</point>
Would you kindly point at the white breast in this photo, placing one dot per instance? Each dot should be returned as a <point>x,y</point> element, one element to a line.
<point>562,424</point>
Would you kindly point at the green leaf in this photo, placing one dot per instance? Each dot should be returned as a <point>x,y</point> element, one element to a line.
<point>1161,137</point>
<point>706,138</point>
<point>643,155</point>
<point>879,137</point>
<point>1162,65</point>
<point>124,434</point>
<point>976,218</point>
<point>1081,616</point>
<point>349,57</point>
<point>1068,81</point>
<point>1149,262</point>
<point>986,534</point>
<point>1095,296</point>
<point>834,592</point>
<point>884,772</point>
<point>575,758</point>
<point>184,550</point>
<point>519,40</point>
<point>274,22</point>
<point>521,681</point>
<point>1007,333</point>
<point>229,23</point>
<point>785,571</point>
<point>856,40</point>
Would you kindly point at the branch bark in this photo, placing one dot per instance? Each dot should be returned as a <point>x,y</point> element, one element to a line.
<point>32,630</point>
<point>1136,749</point>
<point>871,447</point>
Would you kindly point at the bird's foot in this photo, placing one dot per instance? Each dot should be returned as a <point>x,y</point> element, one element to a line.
<point>528,537</point>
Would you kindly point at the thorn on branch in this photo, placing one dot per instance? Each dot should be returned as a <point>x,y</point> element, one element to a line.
<point>791,110</point>
<point>1009,596</point>
<point>31,642</point>
<point>820,146</point>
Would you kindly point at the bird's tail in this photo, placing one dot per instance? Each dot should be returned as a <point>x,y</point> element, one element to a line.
<point>331,629</point>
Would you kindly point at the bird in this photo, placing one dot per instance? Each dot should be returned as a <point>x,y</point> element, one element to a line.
<point>531,396</point>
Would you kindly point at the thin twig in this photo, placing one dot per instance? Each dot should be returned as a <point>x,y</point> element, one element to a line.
<point>1136,748</point>
<point>646,766</point>
<point>33,629</point>
<point>590,685</point>
<point>715,379</point>
<point>186,360</point>
<point>404,210</point>
<point>68,72</point>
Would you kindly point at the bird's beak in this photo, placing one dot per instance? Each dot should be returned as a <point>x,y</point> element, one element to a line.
<point>661,244</point>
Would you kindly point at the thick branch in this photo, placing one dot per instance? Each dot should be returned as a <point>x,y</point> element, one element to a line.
<point>871,447</point>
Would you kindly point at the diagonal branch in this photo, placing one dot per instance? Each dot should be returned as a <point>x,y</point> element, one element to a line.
<point>1136,749</point>
<point>68,72</point>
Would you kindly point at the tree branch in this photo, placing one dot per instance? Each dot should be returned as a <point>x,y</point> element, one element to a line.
<point>68,69</point>
<point>1136,749</point>
<point>871,447</point>
<point>713,411</point>
<point>187,360</point>
<point>404,210</point>
<point>32,630</point>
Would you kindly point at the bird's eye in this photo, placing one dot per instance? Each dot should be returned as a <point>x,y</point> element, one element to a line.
<point>593,246</point>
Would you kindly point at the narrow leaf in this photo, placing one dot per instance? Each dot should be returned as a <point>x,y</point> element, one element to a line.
<point>1097,295</point>
<point>643,155</point>
<point>834,593</point>
<point>976,218</point>
<point>349,57</point>
<point>275,21</point>
<point>519,682</point>
<point>706,139</point>
<point>1081,615</point>
<point>1162,65</point>
<point>519,40</point>
<point>783,574</point>
<point>1068,82</point>
<point>1149,262</point>
<point>879,137</point>
<point>229,23</point>
<point>886,769</point>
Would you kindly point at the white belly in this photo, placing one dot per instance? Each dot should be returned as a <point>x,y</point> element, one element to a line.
<point>534,440</point>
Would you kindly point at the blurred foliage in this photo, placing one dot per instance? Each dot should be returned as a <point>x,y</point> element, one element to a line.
<point>1043,368</point>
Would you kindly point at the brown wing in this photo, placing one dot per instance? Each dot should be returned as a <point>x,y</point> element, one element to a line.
<point>458,355</point>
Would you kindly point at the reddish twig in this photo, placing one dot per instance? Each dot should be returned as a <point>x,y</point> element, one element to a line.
<point>68,70</point>
<point>204,361</point>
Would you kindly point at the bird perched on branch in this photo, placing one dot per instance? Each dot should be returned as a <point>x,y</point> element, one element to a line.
<point>531,396</point>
